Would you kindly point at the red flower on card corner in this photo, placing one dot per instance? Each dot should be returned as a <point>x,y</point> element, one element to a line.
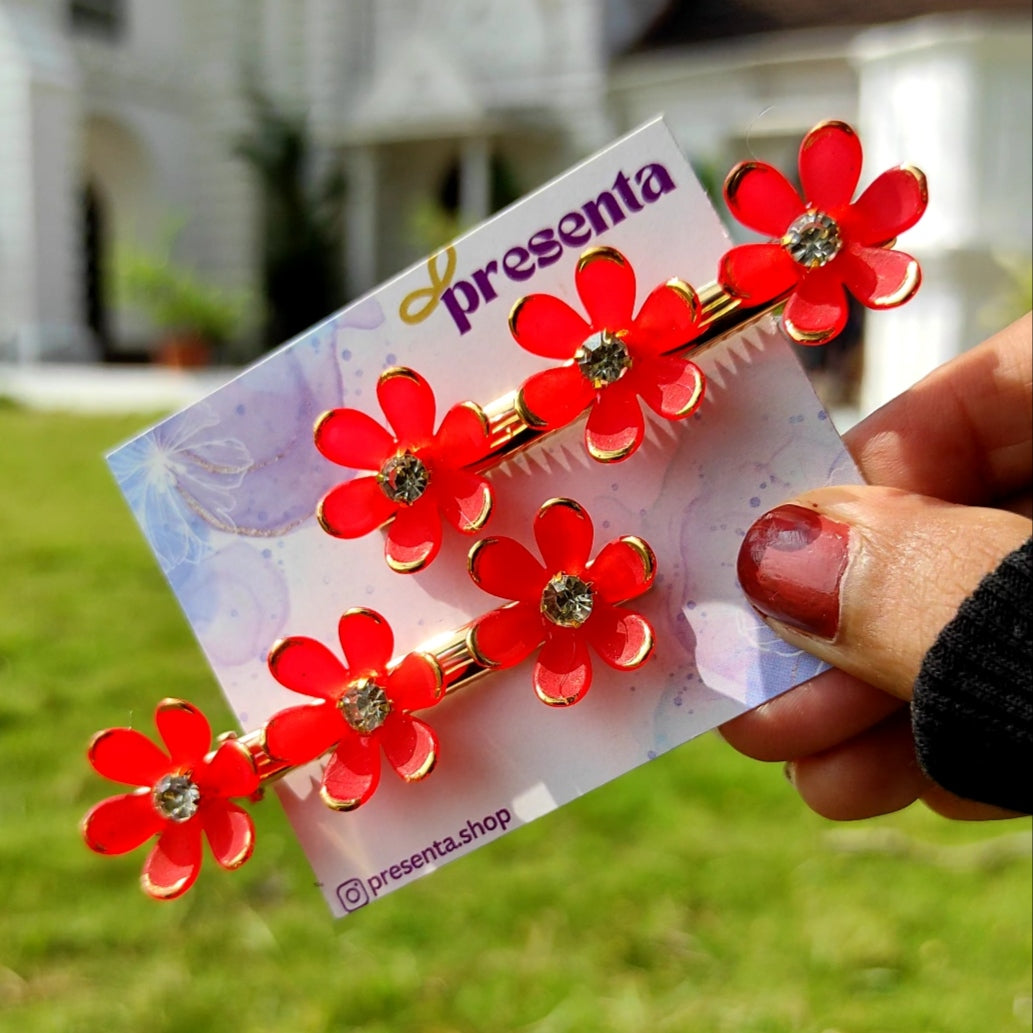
<point>827,244</point>
<point>611,360</point>
<point>565,604</point>
<point>364,707</point>
<point>179,797</point>
<point>418,476</point>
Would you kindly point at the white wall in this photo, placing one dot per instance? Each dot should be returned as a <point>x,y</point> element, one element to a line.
<point>40,305</point>
<point>952,96</point>
<point>152,119</point>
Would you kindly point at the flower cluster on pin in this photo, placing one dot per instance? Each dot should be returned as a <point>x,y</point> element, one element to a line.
<point>612,357</point>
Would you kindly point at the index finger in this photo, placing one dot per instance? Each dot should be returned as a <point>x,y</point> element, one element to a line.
<point>961,434</point>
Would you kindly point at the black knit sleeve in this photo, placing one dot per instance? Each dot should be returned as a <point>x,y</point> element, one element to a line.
<point>972,710</point>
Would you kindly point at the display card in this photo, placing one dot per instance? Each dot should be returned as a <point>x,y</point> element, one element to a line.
<point>227,490</point>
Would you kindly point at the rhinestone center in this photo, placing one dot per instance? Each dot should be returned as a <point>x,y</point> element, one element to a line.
<point>603,358</point>
<point>813,239</point>
<point>404,478</point>
<point>567,600</point>
<point>176,797</point>
<point>365,706</point>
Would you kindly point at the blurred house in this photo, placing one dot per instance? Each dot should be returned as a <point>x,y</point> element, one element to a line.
<point>119,115</point>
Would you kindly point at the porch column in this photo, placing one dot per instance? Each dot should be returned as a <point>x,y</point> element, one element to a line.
<point>474,180</point>
<point>361,222</point>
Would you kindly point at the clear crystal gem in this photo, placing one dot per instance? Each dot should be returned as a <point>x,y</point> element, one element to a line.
<point>813,239</point>
<point>603,358</point>
<point>404,478</point>
<point>365,706</point>
<point>567,600</point>
<point>176,797</point>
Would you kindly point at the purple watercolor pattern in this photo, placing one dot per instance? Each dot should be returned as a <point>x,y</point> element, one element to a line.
<point>213,507</point>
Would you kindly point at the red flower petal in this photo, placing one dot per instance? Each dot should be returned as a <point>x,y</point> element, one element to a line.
<point>184,729</point>
<point>128,756</point>
<point>352,774</point>
<point>505,568</point>
<point>367,642</point>
<point>880,278</point>
<point>230,772</point>
<point>624,569</point>
<point>504,637</point>
<point>173,864</point>
<point>817,310</point>
<point>671,387</point>
<point>554,397</point>
<point>462,438</point>
<point>893,203</point>
<point>830,165</point>
<point>305,665</point>
<point>355,508</point>
<point>564,532</point>
<point>408,404</point>
<point>464,498</point>
<point>563,672</point>
<point>416,683</point>
<point>761,198</point>
<point>547,326</point>
<point>622,639</point>
<point>351,438</point>
<point>230,833</point>
<point>413,537</point>
<point>300,734</point>
<point>615,426</point>
<point>605,284</point>
<point>410,746</point>
<point>758,272</point>
<point>666,320</point>
<point>121,823</point>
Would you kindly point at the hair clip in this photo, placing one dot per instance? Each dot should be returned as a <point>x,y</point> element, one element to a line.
<point>365,707</point>
<point>179,796</point>
<point>612,357</point>
<point>417,477</point>
<point>823,248</point>
<point>365,701</point>
<point>611,360</point>
<point>564,603</point>
<point>828,244</point>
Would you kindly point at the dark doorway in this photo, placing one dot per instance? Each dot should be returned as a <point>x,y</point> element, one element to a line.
<point>94,239</point>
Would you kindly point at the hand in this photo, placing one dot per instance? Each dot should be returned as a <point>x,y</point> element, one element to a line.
<point>866,577</point>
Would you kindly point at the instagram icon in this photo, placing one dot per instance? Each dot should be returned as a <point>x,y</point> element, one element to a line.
<point>353,894</point>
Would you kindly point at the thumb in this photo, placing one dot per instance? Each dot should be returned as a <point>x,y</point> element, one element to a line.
<point>865,578</point>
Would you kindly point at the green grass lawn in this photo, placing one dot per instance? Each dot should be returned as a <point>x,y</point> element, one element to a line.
<point>696,894</point>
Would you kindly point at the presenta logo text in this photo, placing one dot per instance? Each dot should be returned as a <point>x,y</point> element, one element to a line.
<point>463,297</point>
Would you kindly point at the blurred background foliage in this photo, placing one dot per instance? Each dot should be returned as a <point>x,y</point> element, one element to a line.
<point>301,219</point>
<point>183,308</point>
<point>438,219</point>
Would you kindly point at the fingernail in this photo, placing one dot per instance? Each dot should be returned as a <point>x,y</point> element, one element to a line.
<point>789,770</point>
<point>791,564</point>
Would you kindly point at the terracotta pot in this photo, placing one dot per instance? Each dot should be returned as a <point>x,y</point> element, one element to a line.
<point>184,351</point>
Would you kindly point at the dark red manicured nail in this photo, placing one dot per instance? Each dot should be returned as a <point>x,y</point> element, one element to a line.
<point>791,564</point>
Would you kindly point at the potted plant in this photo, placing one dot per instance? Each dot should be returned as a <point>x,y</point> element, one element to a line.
<point>194,319</point>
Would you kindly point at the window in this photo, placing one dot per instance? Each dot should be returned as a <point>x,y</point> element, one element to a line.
<point>101,19</point>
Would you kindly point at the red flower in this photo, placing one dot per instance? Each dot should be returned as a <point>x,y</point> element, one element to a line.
<point>825,245</point>
<point>612,360</point>
<point>179,796</point>
<point>563,605</point>
<point>418,476</point>
<point>363,707</point>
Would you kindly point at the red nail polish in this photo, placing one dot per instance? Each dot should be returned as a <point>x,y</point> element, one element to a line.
<point>791,564</point>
